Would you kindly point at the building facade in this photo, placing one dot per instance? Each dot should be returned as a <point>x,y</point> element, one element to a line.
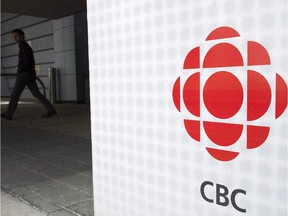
<point>59,43</point>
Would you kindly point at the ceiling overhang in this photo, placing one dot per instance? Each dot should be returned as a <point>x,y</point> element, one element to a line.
<point>51,9</point>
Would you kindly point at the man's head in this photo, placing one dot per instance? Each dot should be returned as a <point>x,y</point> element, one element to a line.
<point>18,35</point>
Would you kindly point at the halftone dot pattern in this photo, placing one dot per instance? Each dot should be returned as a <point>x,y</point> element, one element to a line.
<point>144,162</point>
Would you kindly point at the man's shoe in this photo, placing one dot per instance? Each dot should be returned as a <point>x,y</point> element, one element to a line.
<point>5,116</point>
<point>50,113</point>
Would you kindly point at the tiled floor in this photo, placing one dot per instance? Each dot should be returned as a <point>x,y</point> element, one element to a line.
<point>47,162</point>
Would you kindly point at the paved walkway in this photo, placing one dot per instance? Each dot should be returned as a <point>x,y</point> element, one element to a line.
<point>71,120</point>
<point>11,206</point>
<point>47,162</point>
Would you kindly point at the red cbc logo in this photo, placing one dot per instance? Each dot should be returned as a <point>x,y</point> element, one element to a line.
<point>223,94</point>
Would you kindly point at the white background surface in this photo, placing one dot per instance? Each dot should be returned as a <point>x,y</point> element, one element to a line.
<point>144,162</point>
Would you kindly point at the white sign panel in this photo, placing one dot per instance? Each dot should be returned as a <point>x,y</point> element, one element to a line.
<point>188,105</point>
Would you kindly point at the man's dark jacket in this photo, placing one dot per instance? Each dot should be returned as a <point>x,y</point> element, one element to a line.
<point>26,62</point>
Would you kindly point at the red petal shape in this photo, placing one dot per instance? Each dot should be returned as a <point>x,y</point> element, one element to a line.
<point>256,136</point>
<point>191,94</point>
<point>176,93</point>
<point>223,55</point>
<point>259,95</point>
<point>222,32</point>
<point>223,134</point>
<point>192,59</point>
<point>193,128</point>
<point>281,96</point>
<point>257,54</point>
<point>222,155</point>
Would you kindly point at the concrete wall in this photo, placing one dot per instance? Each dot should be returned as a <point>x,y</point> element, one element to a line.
<point>71,56</point>
<point>82,62</point>
<point>61,43</point>
<point>39,34</point>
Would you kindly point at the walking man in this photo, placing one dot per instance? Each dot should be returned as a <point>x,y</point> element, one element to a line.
<point>26,76</point>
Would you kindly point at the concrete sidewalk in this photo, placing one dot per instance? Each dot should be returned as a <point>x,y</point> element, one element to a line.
<point>47,162</point>
<point>72,119</point>
<point>11,206</point>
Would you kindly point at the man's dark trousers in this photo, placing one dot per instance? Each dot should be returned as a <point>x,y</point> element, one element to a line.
<point>26,79</point>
